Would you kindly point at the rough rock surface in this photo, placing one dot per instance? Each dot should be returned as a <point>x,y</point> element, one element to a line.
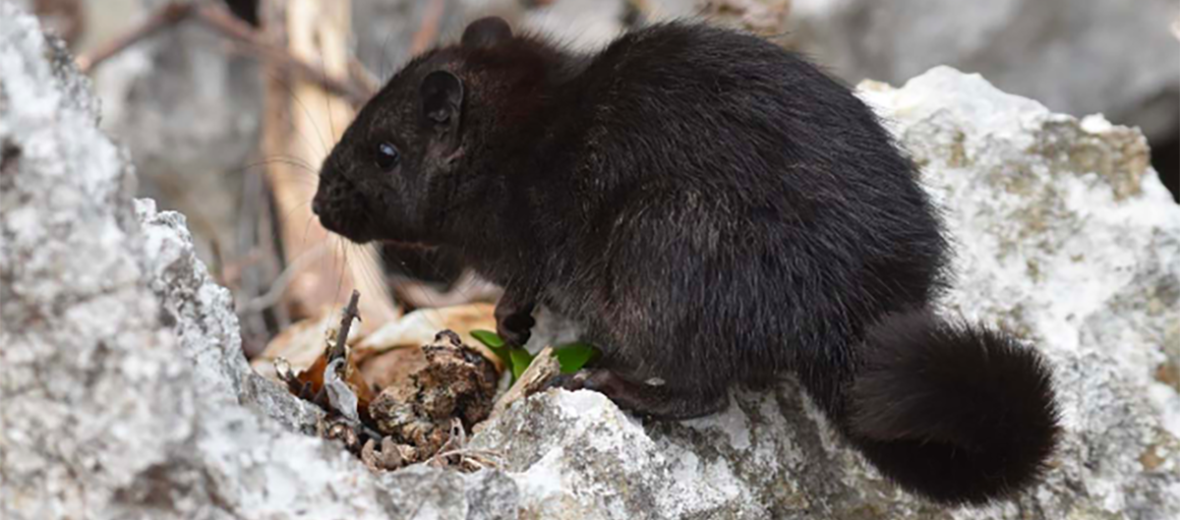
<point>124,393</point>
<point>1063,236</point>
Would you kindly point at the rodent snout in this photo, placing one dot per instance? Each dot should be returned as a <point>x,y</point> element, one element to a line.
<point>327,196</point>
<point>316,204</point>
<point>338,205</point>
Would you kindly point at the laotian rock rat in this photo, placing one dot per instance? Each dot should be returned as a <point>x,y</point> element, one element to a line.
<point>711,209</point>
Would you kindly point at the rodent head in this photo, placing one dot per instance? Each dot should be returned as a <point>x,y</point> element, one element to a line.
<point>390,176</point>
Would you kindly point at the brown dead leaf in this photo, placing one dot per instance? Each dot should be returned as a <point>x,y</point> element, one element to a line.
<point>314,378</point>
<point>420,327</point>
<point>386,358</point>
<point>386,368</point>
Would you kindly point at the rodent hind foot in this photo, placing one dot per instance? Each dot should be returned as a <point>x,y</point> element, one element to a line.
<point>651,398</point>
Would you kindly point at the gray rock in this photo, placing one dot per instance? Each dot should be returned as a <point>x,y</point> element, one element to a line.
<point>125,394</point>
<point>1075,56</point>
<point>422,492</point>
<point>190,114</point>
<point>124,391</point>
<point>1064,236</point>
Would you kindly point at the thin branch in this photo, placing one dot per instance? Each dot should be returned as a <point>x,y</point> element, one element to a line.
<point>166,16</point>
<point>224,22</point>
<point>350,314</point>
<point>428,31</point>
<point>534,379</point>
<point>272,296</point>
<point>362,75</point>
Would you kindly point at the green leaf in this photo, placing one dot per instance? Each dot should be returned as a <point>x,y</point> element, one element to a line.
<point>520,361</point>
<point>574,356</point>
<point>488,338</point>
<point>493,342</point>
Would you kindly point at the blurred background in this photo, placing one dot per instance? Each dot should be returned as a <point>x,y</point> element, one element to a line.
<point>228,106</point>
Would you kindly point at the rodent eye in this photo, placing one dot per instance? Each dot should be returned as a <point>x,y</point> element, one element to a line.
<point>387,156</point>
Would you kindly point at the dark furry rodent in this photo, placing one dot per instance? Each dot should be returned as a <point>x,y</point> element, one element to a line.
<point>712,210</point>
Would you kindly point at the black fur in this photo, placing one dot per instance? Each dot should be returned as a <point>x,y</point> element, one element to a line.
<point>712,210</point>
<point>965,404</point>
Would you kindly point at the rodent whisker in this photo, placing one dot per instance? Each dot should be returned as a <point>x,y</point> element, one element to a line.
<point>343,267</point>
<point>306,224</point>
<point>306,113</point>
<point>289,160</point>
<point>373,279</point>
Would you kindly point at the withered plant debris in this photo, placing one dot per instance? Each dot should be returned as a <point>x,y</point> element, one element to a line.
<point>338,427</point>
<point>392,455</point>
<point>335,384</point>
<point>423,417</point>
<point>340,349</point>
<point>536,377</point>
<point>435,407</point>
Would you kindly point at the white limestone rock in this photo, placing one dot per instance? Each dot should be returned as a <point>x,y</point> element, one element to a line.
<point>123,390</point>
<point>124,394</point>
<point>1064,236</point>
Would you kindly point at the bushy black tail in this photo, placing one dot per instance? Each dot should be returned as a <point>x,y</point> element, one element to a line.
<point>956,413</point>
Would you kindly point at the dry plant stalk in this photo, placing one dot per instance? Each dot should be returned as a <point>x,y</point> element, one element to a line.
<point>535,379</point>
<point>302,122</point>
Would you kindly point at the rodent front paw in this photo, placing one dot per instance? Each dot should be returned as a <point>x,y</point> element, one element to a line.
<point>515,329</point>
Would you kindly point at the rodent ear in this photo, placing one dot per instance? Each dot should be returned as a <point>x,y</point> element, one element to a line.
<point>486,32</point>
<point>442,102</point>
<point>442,98</point>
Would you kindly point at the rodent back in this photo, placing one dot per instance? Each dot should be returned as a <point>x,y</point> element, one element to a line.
<point>685,149</point>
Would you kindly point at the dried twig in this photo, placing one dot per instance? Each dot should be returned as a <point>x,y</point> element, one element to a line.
<point>428,31</point>
<point>334,390</point>
<point>350,313</point>
<point>166,16</point>
<point>220,19</point>
<point>473,459</point>
<point>389,458</point>
<point>534,379</point>
<point>313,31</point>
<point>363,76</point>
<point>287,375</point>
<point>276,290</point>
<point>456,441</point>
